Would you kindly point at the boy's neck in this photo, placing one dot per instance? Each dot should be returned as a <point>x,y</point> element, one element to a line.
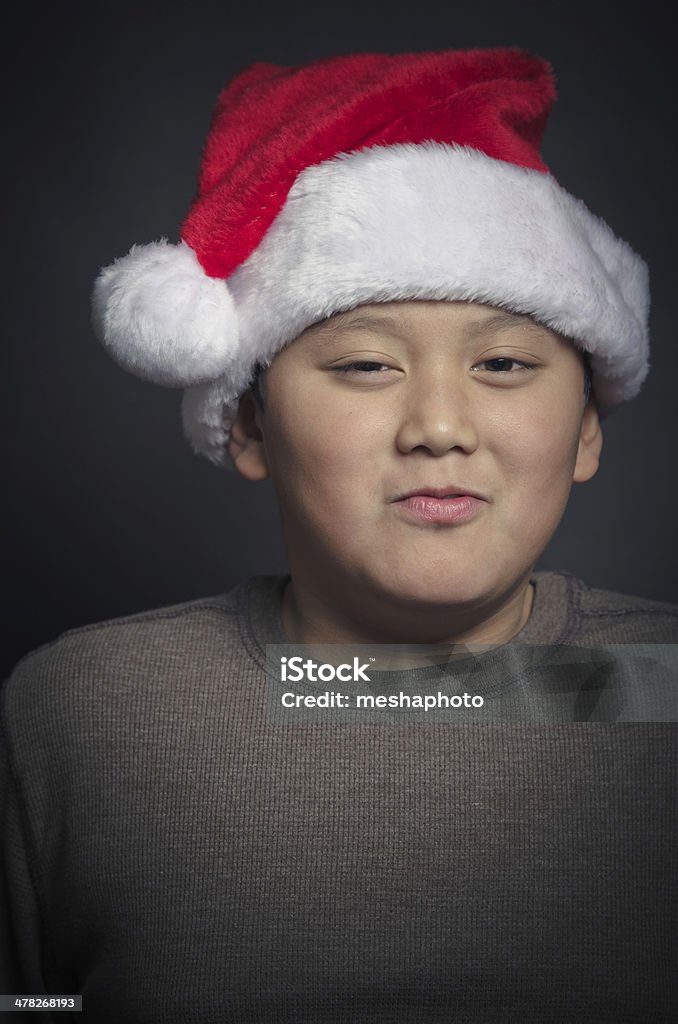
<point>309,618</point>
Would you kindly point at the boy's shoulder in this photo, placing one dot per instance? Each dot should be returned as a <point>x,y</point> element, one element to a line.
<point>597,615</point>
<point>597,603</point>
<point>138,629</point>
<point>161,651</point>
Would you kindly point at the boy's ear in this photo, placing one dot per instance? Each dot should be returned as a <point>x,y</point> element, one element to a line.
<point>246,443</point>
<point>590,444</point>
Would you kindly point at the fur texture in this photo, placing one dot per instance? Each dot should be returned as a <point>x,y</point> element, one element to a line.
<point>162,318</point>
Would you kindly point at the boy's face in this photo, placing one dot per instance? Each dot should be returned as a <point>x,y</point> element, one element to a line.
<point>420,398</point>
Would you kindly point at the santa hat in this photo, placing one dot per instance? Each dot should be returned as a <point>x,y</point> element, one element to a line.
<point>370,178</point>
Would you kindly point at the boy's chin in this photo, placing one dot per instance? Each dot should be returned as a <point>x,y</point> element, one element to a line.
<point>431,591</point>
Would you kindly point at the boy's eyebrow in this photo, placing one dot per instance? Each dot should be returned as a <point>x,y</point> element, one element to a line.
<point>353,319</point>
<point>503,319</point>
<point>356,319</point>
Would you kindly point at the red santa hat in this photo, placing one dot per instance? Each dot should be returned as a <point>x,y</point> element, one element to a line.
<point>360,179</point>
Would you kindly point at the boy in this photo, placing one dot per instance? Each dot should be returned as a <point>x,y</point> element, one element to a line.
<point>384,301</point>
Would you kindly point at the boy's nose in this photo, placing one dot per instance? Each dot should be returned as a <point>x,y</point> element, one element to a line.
<point>437,417</point>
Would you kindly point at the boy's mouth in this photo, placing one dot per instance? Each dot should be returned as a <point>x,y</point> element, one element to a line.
<point>441,493</point>
<point>440,505</point>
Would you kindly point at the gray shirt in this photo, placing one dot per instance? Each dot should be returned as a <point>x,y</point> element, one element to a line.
<point>175,855</point>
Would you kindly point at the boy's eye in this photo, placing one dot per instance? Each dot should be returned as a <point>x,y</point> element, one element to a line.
<point>503,364</point>
<point>363,366</point>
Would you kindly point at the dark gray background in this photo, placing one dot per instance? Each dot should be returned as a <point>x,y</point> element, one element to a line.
<point>106,113</point>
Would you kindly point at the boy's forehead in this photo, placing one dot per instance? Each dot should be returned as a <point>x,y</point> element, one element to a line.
<point>476,318</point>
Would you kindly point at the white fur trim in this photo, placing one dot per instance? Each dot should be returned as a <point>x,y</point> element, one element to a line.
<point>162,318</point>
<point>432,221</point>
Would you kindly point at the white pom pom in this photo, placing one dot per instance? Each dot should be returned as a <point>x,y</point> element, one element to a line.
<point>162,318</point>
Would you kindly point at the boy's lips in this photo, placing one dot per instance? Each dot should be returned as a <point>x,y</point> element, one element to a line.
<point>441,505</point>
<point>451,491</point>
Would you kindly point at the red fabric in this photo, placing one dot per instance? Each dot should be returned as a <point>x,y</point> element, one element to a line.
<point>271,122</point>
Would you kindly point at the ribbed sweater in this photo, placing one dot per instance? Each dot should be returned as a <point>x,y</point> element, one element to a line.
<point>174,856</point>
